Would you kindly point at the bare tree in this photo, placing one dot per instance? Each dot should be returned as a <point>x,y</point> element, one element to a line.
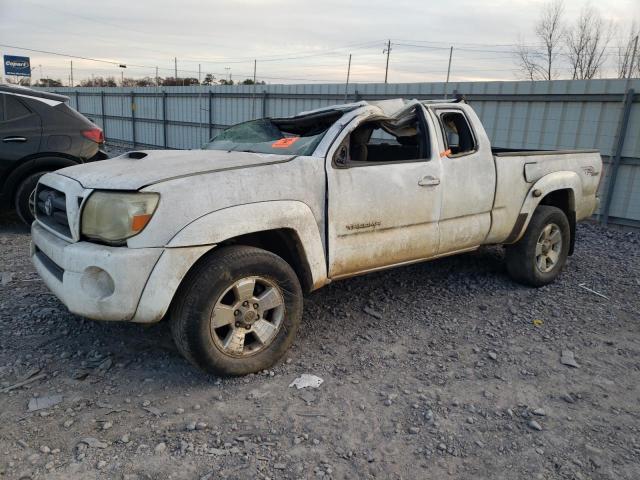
<point>98,82</point>
<point>128,82</point>
<point>539,64</point>
<point>587,43</point>
<point>625,51</point>
<point>22,81</point>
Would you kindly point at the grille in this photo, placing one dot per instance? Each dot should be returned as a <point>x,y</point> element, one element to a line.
<point>51,209</point>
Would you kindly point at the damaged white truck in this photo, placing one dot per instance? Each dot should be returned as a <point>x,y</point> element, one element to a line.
<point>224,241</point>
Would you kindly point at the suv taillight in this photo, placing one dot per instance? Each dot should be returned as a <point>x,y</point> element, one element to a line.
<point>95,135</point>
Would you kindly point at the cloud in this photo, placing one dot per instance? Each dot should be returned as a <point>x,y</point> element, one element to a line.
<point>310,40</point>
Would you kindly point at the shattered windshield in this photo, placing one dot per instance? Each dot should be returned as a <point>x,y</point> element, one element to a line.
<point>284,136</point>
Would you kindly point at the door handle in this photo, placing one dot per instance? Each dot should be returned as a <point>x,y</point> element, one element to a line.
<point>14,139</point>
<point>429,181</point>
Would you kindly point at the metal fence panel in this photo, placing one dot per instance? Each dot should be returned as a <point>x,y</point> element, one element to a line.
<point>561,114</point>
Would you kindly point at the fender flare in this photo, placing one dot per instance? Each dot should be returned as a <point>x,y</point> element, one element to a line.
<point>227,223</point>
<point>552,182</point>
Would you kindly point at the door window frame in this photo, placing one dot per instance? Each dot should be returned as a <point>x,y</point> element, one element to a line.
<point>441,111</point>
<point>422,119</point>
<point>3,111</point>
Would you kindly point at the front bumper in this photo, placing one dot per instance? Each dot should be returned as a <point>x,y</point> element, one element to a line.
<point>95,281</point>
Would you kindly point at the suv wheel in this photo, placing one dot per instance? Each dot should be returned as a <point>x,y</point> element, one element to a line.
<point>25,197</point>
<point>539,256</point>
<point>237,311</point>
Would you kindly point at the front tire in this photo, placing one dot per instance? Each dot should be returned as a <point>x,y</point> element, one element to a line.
<point>25,197</point>
<point>539,256</point>
<point>237,311</point>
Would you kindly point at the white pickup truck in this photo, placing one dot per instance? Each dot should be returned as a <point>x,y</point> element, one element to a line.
<point>224,241</point>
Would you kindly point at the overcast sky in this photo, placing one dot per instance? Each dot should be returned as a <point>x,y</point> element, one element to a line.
<point>293,41</point>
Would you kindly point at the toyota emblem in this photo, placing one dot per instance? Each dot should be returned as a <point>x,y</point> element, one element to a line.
<point>48,206</point>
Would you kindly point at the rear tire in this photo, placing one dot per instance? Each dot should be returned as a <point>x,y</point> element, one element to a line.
<point>237,311</point>
<point>25,196</point>
<point>539,256</point>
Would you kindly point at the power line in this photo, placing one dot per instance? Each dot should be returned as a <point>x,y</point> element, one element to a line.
<point>460,45</point>
<point>62,54</point>
<point>289,56</point>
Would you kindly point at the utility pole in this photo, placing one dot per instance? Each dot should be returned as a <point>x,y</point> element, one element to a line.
<point>253,96</point>
<point>448,72</point>
<point>41,82</point>
<point>157,78</point>
<point>387,51</point>
<point>346,86</point>
<point>122,78</point>
<point>199,74</point>
<point>175,66</point>
<point>71,77</point>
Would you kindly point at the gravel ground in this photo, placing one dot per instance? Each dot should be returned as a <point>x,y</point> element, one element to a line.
<point>445,369</point>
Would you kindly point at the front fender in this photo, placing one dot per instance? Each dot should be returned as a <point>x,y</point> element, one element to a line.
<point>231,222</point>
<point>549,183</point>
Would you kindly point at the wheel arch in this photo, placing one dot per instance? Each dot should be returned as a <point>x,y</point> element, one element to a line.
<point>285,228</point>
<point>558,189</point>
<point>565,200</point>
<point>43,162</point>
<point>284,242</point>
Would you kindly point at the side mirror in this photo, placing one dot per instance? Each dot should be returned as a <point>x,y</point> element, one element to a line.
<point>341,155</point>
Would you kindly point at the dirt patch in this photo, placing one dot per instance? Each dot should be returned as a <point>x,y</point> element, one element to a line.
<point>440,370</point>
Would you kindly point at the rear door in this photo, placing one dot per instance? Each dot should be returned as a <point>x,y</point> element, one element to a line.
<point>20,131</point>
<point>383,197</point>
<point>468,178</point>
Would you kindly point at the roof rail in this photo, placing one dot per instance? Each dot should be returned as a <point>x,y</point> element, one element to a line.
<point>459,98</point>
<point>20,90</point>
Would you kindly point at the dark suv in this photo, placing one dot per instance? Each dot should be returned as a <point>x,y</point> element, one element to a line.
<point>39,133</point>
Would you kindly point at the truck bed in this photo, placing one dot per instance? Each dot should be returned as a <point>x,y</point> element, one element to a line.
<point>517,174</point>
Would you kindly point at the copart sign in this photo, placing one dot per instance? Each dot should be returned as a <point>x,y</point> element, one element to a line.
<point>18,66</point>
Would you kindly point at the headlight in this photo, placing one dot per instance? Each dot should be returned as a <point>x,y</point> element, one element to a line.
<point>115,216</point>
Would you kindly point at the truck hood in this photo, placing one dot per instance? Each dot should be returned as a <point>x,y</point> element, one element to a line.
<point>138,169</point>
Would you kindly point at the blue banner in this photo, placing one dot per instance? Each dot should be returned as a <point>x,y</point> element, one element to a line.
<point>18,66</point>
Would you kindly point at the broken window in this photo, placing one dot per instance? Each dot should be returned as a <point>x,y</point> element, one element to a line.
<point>457,132</point>
<point>389,141</point>
<point>289,136</point>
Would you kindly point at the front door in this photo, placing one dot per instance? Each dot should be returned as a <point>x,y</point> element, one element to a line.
<point>384,195</point>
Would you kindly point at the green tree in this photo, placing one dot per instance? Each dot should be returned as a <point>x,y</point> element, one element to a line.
<point>249,81</point>
<point>48,82</point>
<point>208,79</point>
